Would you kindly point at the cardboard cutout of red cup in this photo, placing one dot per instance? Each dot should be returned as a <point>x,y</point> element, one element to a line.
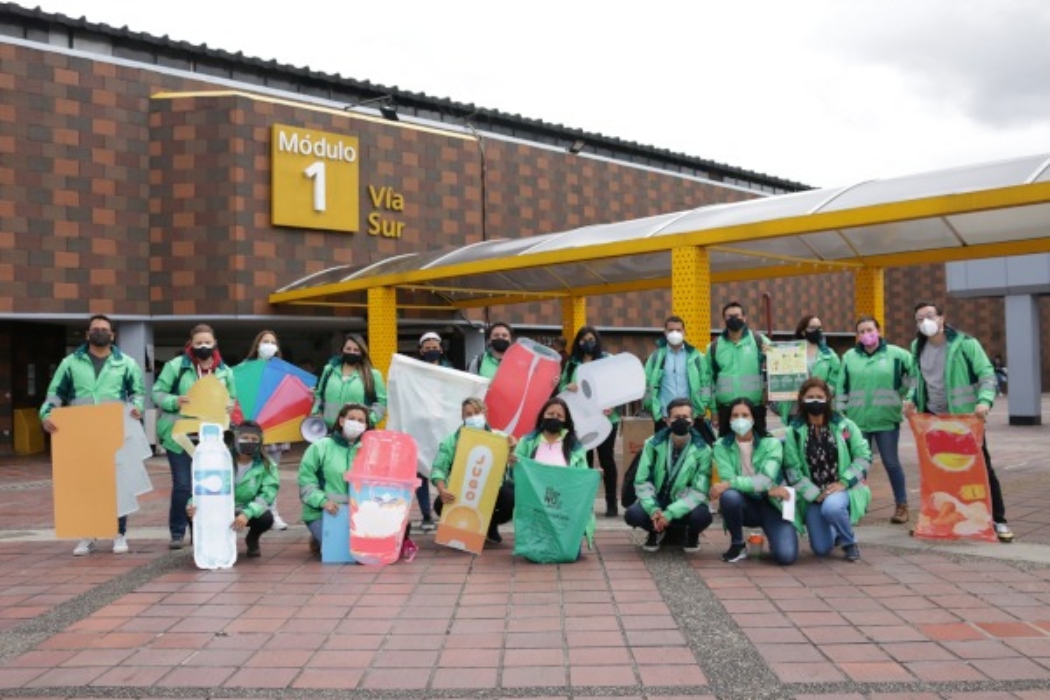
<point>526,378</point>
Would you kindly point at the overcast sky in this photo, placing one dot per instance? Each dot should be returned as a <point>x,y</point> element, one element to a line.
<point>824,92</point>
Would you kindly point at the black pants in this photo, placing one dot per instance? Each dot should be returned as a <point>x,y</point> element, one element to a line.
<point>257,526</point>
<point>501,513</point>
<point>696,521</point>
<point>724,413</point>
<point>607,459</point>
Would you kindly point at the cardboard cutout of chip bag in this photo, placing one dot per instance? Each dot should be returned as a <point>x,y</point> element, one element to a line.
<point>956,500</point>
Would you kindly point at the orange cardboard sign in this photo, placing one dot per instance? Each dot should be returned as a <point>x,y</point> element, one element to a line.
<point>956,501</point>
<point>477,473</point>
<point>84,469</point>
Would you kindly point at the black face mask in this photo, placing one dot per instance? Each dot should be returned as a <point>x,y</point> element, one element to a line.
<point>552,425</point>
<point>815,337</point>
<point>352,358</point>
<point>589,347</point>
<point>500,344</point>
<point>248,448</point>
<point>100,338</point>
<point>681,426</point>
<point>203,352</point>
<point>815,408</point>
<point>432,356</point>
<point>735,323</point>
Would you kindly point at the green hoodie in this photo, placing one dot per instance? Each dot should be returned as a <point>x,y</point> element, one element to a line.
<point>854,461</point>
<point>256,489</point>
<point>736,367</point>
<point>766,458</point>
<point>322,474</point>
<point>333,391</point>
<point>696,375</point>
<point>74,382</point>
<point>690,477</point>
<point>969,378</point>
<point>174,381</point>
<point>872,386</point>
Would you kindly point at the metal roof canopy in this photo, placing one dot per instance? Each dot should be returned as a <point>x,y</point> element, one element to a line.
<point>966,213</point>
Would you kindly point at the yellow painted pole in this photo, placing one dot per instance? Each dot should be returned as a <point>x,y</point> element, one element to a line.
<point>382,327</point>
<point>691,291</point>
<point>573,317</point>
<point>869,294</point>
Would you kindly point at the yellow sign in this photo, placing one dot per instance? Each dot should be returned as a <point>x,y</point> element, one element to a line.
<point>314,179</point>
<point>477,473</point>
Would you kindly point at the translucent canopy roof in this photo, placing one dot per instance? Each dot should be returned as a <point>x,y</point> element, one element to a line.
<point>978,211</point>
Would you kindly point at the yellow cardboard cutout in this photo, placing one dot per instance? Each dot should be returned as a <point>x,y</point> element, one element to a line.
<point>84,469</point>
<point>477,473</point>
<point>209,403</point>
<point>288,431</point>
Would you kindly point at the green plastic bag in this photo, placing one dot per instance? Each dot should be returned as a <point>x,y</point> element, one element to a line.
<point>553,509</point>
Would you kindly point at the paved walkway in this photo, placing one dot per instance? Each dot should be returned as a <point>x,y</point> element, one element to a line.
<point>912,619</point>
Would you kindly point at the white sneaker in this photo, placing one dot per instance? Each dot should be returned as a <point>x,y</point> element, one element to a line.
<point>120,544</point>
<point>84,548</point>
<point>278,523</point>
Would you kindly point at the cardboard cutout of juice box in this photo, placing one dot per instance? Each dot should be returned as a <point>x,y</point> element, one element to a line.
<point>382,487</point>
<point>477,473</point>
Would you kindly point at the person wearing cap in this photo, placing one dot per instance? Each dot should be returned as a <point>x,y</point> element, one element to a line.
<point>431,352</point>
<point>255,486</point>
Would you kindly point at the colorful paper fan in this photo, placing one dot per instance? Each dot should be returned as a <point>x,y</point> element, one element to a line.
<point>275,394</point>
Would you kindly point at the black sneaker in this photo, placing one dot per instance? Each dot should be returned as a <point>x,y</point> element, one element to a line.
<point>692,543</point>
<point>652,542</point>
<point>176,543</point>
<point>852,552</point>
<point>736,552</point>
<point>315,545</point>
<point>427,524</point>
<point>493,536</point>
<point>253,547</point>
<point>611,511</point>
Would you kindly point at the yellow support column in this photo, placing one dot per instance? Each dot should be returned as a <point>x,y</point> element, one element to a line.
<point>382,327</point>
<point>868,294</point>
<point>691,292</point>
<point>573,317</point>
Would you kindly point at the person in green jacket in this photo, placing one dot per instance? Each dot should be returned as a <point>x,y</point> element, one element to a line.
<point>673,477</point>
<point>500,337</point>
<point>322,473</point>
<point>826,460</point>
<point>199,358</point>
<point>821,361</point>
<point>874,380</point>
<point>587,347</point>
<point>350,378</point>
<point>735,361</point>
<point>953,375</point>
<point>96,372</point>
<point>750,492</point>
<point>676,369</point>
<point>473,413</point>
<point>256,483</point>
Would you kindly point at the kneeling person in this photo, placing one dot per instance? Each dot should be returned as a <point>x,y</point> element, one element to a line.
<point>674,474</point>
<point>255,485</point>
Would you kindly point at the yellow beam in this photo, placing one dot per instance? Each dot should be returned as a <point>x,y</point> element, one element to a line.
<point>945,205</point>
<point>973,252</point>
<point>868,294</point>
<point>382,327</point>
<point>573,316</point>
<point>477,291</point>
<point>840,265</point>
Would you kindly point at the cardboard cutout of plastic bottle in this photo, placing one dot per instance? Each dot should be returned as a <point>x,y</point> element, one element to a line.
<point>602,385</point>
<point>383,485</point>
<point>477,473</point>
<point>214,540</point>
<point>526,377</point>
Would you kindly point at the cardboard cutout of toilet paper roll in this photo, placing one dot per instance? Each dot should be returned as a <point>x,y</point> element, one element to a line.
<point>526,378</point>
<point>209,403</point>
<point>602,385</point>
<point>382,488</point>
<point>956,499</point>
<point>475,479</point>
<point>83,469</point>
<point>426,402</point>
<point>214,541</point>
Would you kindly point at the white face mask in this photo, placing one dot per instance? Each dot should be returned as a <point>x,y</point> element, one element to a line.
<point>267,350</point>
<point>675,338</point>
<point>352,429</point>
<point>741,426</point>
<point>929,327</point>
<point>475,421</point>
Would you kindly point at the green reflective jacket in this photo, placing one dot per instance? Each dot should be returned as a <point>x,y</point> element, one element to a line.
<point>690,477</point>
<point>735,369</point>
<point>322,474</point>
<point>333,391</point>
<point>696,373</point>
<point>854,460</point>
<point>969,378</point>
<point>174,381</point>
<point>872,387</point>
<point>75,383</point>
<point>484,364</point>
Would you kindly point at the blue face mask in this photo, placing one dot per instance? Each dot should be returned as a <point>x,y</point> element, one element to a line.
<point>741,426</point>
<point>476,421</point>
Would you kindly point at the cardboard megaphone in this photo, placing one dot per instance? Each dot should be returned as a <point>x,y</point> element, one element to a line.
<point>313,429</point>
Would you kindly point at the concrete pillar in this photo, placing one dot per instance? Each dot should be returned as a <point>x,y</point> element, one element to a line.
<point>135,338</point>
<point>1022,360</point>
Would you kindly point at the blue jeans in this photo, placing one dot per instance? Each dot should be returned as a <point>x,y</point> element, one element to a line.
<point>181,485</point>
<point>695,520</point>
<point>423,496</point>
<point>739,510</point>
<point>316,528</point>
<point>827,520</point>
<point>886,441</point>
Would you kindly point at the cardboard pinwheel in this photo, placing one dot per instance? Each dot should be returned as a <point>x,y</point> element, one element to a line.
<point>277,395</point>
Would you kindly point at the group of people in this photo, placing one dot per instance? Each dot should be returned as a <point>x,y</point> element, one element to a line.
<point>847,405</point>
